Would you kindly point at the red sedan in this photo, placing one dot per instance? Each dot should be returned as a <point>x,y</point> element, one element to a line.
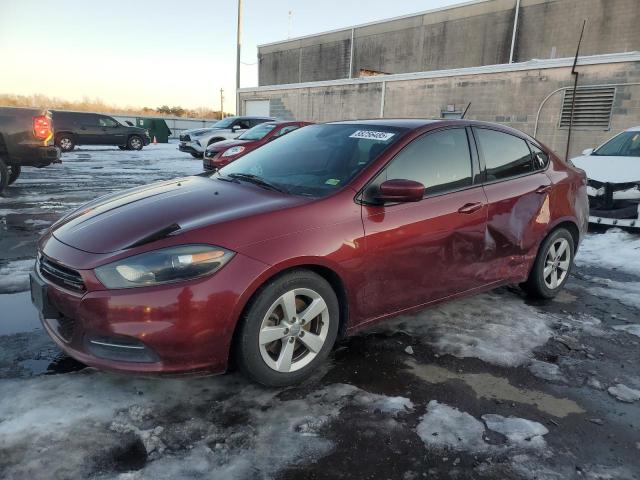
<point>223,153</point>
<point>330,229</point>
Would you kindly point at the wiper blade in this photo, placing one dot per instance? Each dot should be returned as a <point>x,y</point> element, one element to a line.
<point>227,179</point>
<point>257,181</point>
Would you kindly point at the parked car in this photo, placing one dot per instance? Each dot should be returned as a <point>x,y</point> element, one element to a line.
<point>319,234</point>
<point>219,154</point>
<point>613,170</point>
<point>82,128</point>
<point>26,140</point>
<point>196,141</point>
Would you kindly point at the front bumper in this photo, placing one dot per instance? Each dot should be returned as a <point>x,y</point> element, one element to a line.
<point>191,147</point>
<point>614,203</point>
<point>173,329</point>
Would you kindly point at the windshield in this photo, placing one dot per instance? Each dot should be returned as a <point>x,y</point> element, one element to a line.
<point>316,160</point>
<point>224,123</point>
<point>627,144</point>
<point>258,132</point>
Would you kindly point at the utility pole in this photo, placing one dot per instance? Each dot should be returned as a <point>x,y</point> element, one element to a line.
<point>221,103</point>
<point>239,44</point>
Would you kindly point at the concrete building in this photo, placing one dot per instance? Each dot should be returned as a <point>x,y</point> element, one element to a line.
<point>511,59</point>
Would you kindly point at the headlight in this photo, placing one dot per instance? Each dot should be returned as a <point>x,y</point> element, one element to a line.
<point>168,265</point>
<point>233,151</point>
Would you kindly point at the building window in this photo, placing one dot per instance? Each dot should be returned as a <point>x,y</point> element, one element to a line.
<point>592,109</point>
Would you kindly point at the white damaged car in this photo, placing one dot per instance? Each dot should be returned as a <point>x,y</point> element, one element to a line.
<point>613,170</point>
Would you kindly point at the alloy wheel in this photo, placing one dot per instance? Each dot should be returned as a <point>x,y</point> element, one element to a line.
<point>135,143</point>
<point>294,330</point>
<point>65,144</point>
<point>557,263</point>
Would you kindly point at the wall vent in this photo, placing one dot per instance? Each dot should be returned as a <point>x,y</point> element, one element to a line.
<point>593,108</point>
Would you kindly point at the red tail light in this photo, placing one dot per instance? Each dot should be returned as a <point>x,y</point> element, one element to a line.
<point>42,127</point>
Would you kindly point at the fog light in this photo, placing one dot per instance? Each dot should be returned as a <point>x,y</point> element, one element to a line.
<point>121,350</point>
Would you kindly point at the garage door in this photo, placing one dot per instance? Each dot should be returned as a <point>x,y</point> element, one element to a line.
<point>258,108</point>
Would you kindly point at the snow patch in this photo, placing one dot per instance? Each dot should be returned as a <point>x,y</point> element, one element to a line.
<point>498,329</point>
<point>14,276</point>
<point>633,329</point>
<point>613,249</point>
<point>447,427</point>
<point>547,371</point>
<point>627,293</point>
<point>624,393</point>
<point>519,431</point>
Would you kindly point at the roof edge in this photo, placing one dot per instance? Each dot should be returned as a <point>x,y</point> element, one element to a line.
<point>376,22</point>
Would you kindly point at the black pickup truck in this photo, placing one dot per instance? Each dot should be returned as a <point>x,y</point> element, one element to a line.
<point>26,140</point>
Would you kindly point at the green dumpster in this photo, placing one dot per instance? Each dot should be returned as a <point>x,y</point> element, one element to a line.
<point>156,127</point>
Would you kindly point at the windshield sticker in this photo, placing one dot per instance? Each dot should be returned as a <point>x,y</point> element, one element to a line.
<point>372,135</point>
<point>332,181</point>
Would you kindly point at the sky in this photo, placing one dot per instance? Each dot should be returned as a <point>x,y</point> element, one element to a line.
<point>159,52</point>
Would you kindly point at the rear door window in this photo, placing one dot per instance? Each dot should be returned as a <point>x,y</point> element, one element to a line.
<point>505,156</point>
<point>441,161</point>
<point>88,120</point>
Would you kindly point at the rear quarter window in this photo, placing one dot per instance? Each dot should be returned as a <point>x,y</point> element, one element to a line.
<point>505,156</point>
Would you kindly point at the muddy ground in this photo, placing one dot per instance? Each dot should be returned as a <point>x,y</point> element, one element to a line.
<point>491,387</point>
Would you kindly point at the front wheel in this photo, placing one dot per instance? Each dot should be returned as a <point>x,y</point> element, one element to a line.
<point>14,173</point>
<point>288,329</point>
<point>135,143</point>
<point>552,265</point>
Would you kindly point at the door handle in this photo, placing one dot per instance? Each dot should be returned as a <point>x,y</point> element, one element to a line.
<point>542,189</point>
<point>470,208</point>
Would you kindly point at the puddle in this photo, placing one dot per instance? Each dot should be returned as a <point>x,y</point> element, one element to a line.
<point>17,314</point>
<point>489,386</point>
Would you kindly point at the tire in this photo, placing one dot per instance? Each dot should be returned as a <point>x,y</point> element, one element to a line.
<point>4,175</point>
<point>135,143</point>
<point>299,345</point>
<point>551,269</point>
<point>14,173</point>
<point>196,155</point>
<point>66,142</point>
<point>122,147</point>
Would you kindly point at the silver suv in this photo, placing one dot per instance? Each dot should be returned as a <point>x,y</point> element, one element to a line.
<point>196,141</point>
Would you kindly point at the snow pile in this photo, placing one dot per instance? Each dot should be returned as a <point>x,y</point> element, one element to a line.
<point>498,329</point>
<point>14,276</point>
<point>447,427</point>
<point>167,428</point>
<point>614,249</point>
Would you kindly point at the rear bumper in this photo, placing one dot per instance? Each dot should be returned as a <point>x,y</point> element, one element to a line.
<point>39,156</point>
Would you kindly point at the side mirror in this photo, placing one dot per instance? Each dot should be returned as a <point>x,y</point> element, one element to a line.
<point>588,151</point>
<point>235,128</point>
<point>400,191</point>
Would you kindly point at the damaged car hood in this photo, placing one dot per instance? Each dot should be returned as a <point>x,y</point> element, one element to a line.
<point>609,169</point>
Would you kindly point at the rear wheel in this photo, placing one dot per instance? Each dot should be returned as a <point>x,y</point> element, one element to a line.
<point>14,173</point>
<point>4,175</point>
<point>66,143</point>
<point>552,266</point>
<point>288,329</point>
<point>135,143</point>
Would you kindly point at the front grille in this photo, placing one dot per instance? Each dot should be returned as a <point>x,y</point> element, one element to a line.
<point>185,138</point>
<point>60,275</point>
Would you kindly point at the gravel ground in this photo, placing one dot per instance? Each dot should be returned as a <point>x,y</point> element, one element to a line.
<point>490,387</point>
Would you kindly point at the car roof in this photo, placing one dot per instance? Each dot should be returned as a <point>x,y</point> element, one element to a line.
<point>633,129</point>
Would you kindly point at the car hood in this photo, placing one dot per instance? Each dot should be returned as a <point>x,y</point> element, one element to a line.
<point>609,169</point>
<point>223,145</point>
<point>120,221</point>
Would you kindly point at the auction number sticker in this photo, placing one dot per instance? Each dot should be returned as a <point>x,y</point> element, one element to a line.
<point>372,135</point>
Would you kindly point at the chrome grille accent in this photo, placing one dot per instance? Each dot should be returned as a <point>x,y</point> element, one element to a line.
<point>60,275</point>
